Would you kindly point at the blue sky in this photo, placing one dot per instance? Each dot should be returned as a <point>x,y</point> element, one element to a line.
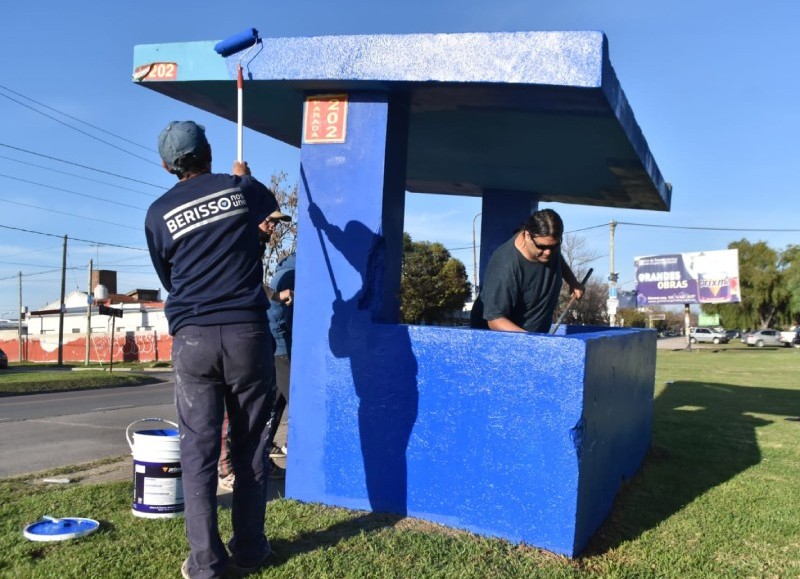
<point>713,86</point>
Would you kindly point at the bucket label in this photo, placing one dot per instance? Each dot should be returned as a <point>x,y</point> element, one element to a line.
<point>157,487</point>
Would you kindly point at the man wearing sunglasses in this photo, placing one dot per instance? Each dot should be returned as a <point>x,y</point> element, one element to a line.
<point>524,277</point>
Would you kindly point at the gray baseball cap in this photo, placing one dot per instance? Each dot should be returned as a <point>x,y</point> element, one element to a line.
<point>181,138</point>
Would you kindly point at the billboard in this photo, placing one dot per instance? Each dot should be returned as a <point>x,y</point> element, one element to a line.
<point>704,277</point>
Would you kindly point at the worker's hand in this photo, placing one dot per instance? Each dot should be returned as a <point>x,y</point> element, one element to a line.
<point>578,291</point>
<point>286,297</point>
<point>240,168</point>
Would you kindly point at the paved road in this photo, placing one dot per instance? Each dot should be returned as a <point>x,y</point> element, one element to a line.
<point>44,431</point>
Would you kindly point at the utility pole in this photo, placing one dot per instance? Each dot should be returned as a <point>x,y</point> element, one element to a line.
<point>613,302</point>
<point>19,321</point>
<point>474,261</point>
<point>88,314</point>
<point>63,305</point>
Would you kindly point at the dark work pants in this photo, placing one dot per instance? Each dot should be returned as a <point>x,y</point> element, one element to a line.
<point>218,367</point>
<point>282,369</point>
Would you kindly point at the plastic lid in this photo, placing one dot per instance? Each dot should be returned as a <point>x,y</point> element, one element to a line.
<point>52,529</point>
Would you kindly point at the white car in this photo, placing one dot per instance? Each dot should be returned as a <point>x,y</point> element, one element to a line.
<point>791,337</point>
<point>761,338</point>
<point>709,335</point>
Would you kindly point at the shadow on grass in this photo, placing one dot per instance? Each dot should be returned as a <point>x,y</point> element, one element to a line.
<point>704,436</point>
<point>316,540</point>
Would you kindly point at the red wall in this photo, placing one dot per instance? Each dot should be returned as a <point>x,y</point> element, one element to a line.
<point>128,347</point>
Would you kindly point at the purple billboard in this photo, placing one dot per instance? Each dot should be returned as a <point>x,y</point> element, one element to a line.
<point>705,277</point>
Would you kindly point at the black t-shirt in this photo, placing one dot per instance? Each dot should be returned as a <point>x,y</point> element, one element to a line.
<point>525,292</point>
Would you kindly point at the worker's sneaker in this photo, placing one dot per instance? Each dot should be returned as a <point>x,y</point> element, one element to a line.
<point>226,482</point>
<point>277,451</point>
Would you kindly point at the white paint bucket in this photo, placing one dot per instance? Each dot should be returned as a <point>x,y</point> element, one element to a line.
<point>157,482</point>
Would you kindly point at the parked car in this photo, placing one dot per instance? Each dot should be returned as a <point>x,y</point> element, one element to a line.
<point>710,335</point>
<point>761,338</point>
<point>3,359</point>
<point>733,334</point>
<point>791,337</point>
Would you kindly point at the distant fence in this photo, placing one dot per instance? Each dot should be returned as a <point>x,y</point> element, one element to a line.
<point>127,347</point>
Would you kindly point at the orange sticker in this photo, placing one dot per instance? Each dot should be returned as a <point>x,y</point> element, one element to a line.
<point>156,71</point>
<point>325,119</point>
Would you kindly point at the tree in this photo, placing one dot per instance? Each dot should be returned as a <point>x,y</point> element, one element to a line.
<point>764,295</point>
<point>591,309</point>
<point>284,240</point>
<point>432,282</point>
<point>790,280</point>
<point>632,318</point>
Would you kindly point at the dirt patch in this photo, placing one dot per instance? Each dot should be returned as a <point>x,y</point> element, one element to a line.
<point>98,472</point>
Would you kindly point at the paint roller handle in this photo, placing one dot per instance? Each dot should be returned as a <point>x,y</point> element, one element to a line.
<point>585,279</point>
<point>128,436</point>
<point>571,301</point>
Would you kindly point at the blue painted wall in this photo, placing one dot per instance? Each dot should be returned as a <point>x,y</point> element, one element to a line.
<point>520,436</point>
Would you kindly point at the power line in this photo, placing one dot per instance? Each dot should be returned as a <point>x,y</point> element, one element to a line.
<point>587,228</point>
<point>72,192</point>
<point>77,119</point>
<point>81,166</point>
<point>91,136</point>
<point>743,229</point>
<point>67,214</point>
<point>16,275</point>
<point>101,243</point>
<point>77,176</point>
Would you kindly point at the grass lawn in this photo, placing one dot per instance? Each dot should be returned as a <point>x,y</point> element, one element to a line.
<point>716,497</point>
<point>31,380</point>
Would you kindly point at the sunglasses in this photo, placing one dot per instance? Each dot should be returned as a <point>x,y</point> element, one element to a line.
<point>543,247</point>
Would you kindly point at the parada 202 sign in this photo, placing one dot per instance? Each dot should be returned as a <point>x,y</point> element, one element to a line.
<point>325,119</point>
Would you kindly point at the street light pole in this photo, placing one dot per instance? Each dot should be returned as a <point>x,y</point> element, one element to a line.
<point>474,261</point>
<point>19,320</point>
<point>89,315</point>
<point>612,279</point>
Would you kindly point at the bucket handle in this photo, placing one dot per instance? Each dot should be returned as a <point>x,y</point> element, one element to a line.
<point>128,430</point>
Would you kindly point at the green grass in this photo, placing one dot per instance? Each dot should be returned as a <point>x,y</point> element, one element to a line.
<point>15,381</point>
<point>717,497</point>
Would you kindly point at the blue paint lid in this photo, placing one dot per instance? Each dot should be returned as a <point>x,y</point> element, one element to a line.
<point>53,529</point>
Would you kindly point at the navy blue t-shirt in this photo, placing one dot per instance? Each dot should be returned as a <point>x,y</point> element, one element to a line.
<point>203,240</point>
<point>525,292</point>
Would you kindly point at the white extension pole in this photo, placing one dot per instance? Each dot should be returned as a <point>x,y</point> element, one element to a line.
<point>240,115</point>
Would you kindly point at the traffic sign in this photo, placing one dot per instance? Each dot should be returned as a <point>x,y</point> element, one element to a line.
<point>106,311</point>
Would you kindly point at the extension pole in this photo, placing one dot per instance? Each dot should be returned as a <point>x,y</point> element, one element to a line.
<point>240,113</point>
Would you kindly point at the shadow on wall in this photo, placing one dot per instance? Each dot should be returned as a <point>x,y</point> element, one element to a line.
<point>704,435</point>
<point>382,364</point>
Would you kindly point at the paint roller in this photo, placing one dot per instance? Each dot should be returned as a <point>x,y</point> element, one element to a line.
<point>231,45</point>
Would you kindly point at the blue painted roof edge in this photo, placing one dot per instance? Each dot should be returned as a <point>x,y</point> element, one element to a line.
<point>618,102</point>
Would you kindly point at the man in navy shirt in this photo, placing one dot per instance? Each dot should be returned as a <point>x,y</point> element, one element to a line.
<point>202,237</point>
